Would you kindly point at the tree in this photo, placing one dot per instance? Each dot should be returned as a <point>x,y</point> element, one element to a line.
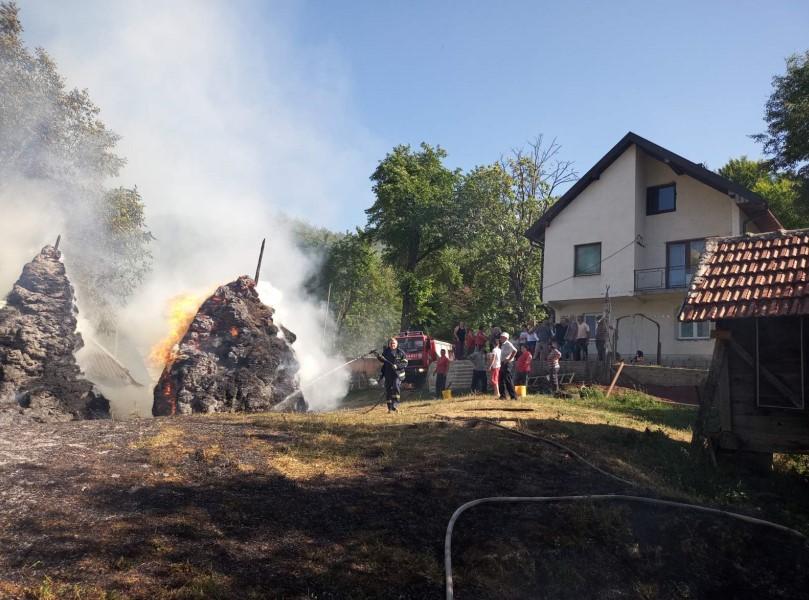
<point>504,200</point>
<point>781,191</point>
<point>364,301</point>
<point>415,217</point>
<point>787,115</point>
<point>54,135</point>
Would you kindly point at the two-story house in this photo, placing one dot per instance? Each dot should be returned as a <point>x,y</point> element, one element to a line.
<point>636,223</point>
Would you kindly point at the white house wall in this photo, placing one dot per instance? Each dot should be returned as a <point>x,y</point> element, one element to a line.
<point>603,212</point>
<point>701,212</point>
<point>637,333</point>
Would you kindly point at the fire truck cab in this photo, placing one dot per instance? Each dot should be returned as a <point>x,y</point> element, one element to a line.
<point>420,350</point>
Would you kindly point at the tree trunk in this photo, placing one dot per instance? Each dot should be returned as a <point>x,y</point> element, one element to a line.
<point>410,268</point>
<point>406,309</point>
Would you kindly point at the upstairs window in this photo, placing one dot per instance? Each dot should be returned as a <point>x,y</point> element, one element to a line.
<point>661,199</point>
<point>587,259</point>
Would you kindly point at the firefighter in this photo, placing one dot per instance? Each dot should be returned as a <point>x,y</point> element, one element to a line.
<point>393,362</point>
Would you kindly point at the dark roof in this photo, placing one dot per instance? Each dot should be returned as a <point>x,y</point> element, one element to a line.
<point>753,205</point>
<point>753,275</point>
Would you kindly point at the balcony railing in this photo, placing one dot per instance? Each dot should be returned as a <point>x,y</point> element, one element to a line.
<point>662,278</point>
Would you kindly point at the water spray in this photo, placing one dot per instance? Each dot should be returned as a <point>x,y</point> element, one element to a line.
<point>282,405</point>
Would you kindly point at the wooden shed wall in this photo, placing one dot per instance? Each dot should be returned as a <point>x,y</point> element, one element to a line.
<point>756,428</point>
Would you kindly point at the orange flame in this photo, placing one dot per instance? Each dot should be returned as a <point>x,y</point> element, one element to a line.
<point>179,314</point>
<point>234,331</point>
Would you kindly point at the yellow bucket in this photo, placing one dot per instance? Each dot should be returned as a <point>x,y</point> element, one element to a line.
<point>446,394</point>
<point>521,390</point>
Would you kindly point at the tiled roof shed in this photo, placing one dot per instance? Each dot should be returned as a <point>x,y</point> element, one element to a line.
<point>754,275</point>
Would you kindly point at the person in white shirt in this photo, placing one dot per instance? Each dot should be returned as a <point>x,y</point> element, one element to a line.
<point>532,339</point>
<point>507,354</point>
<point>582,338</point>
<point>494,367</point>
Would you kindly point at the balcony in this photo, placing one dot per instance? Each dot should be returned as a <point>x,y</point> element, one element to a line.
<point>663,278</point>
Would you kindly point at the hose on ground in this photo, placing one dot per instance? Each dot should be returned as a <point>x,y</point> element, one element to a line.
<point>558,446</point>
<point>590,497</point>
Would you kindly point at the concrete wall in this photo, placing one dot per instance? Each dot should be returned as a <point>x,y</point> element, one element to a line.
<point>598,214</point>
<point>646,375</point>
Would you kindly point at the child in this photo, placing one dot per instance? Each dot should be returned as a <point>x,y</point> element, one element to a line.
<point>553,365</point>
<point>494,368</point>
<point>479,364</point>
<point>524,364</point>
<point>441,370</point>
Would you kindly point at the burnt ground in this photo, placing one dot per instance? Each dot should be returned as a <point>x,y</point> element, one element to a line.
<point>355,505</point>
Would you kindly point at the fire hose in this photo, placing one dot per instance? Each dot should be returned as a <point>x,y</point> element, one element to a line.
<point>282,405</point>
<point>580,498</point>
<point>585,498</point>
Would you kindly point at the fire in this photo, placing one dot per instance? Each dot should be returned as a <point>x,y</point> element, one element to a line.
<point>234,331</point>
<point>179,313</point>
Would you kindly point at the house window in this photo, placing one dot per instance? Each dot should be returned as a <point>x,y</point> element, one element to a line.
<point>587,259</point>
<point>700,330</point>
<point>661,199</point>
<point>682,259</point>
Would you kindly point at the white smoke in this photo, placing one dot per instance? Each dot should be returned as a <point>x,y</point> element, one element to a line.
<point>223,130</point>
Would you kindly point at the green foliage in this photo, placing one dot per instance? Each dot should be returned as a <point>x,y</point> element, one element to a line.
<point>54,135</point>
<point>310,239</point>
<point>112,265</point>
<point>415,217</point>
<point>364,298</point>
<point>47,131</point>
<point>781,191</point>
<point>501,266</point>
<point>787,114</point>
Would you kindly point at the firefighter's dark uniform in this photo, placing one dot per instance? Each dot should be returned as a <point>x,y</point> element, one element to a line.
<point>393,380</point>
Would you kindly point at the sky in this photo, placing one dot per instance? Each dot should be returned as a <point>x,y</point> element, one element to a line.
<point>294,103</point>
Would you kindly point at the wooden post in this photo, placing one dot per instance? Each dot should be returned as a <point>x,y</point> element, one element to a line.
<point>58,239</point>
<point>260,256</point>
<point>708,392</point>
<point>723,396</point>
<point>615,379</point>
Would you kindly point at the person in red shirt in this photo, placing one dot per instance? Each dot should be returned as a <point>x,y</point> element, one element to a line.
<point>481,338</point>
<point>523,365</point>
<point>441,370</point>
<point>470,343</point>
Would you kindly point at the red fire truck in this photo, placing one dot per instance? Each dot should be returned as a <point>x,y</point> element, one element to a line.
<point>420,350</point>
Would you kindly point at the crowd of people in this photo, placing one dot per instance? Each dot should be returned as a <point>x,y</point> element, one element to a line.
<point>503,363</point>
<point>500,362</point>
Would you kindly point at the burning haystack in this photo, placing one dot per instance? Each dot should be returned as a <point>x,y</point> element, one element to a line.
<point>233,358</point>
<point>39,377</point>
